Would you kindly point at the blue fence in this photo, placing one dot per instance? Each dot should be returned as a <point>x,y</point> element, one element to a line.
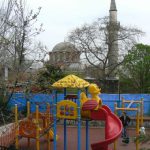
<point>108,99</point>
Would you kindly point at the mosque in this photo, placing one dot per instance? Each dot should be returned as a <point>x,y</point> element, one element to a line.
<point>67,56</point>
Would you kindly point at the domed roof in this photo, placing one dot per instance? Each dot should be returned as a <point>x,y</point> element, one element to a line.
<point>64,46</point>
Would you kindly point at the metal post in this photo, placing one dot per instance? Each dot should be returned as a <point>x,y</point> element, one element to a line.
<point>37,129</point>
<point>142,111</point>
<point>79,121</point>
<point>87,134</point>
<point>122,102</point>
<point>55,125</point>
<point>86,91</point>
<point>87,126</point>
<point>115,111</point>
<point>65,92</point>
<point>16,126</point>
<point>46,123</point>
<point>137,129</point>
<point>28,114</point>
<point>115,108</point>
<point>28,108</point>
<point>65,135</point>
<point>65,125</point>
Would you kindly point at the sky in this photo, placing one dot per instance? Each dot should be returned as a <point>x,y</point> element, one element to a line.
<point>59,17</point>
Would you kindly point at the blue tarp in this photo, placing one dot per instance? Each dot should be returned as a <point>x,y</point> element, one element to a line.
<point>108,99</point>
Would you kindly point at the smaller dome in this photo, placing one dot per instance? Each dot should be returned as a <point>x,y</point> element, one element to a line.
<point>64,46</point>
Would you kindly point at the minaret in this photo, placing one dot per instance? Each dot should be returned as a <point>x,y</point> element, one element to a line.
<point>113,12</point>
<point>113,36</point>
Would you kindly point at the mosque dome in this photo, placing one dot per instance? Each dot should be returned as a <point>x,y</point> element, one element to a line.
<point>64,47</point>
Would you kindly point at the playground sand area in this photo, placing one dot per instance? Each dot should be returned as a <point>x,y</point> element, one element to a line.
<point>96,134</point>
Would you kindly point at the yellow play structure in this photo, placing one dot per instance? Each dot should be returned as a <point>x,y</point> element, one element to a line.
<point>91,108</point>
<point>34,126</point>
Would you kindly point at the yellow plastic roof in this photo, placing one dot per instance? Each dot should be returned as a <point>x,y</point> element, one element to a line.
<point>71,81</point>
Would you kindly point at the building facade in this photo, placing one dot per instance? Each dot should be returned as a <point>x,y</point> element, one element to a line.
<point>66,56</point>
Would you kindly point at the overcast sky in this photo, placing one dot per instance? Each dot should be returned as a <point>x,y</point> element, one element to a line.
<point>61,16</point>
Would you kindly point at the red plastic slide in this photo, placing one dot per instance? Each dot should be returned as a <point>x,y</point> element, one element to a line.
<point>113,127</point>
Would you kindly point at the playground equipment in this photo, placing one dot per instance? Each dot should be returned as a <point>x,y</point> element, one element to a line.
<point>34,126</point>
<point>94,92</point>
<point>92,108</point>
<point>141,106</point>
<point>70,81</point>
<point>113,125</point>
<point>139,114</point>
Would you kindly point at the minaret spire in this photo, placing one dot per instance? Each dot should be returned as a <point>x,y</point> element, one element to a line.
<point>113,6</point>
<point>113,36</point>
<point>113,12</point>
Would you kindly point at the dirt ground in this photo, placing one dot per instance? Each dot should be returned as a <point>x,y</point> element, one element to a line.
<point>95,135</point>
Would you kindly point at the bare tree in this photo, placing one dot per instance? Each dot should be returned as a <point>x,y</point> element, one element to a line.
<point>94,42</point>
<point>18,30</point>
<point>17,35</point>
